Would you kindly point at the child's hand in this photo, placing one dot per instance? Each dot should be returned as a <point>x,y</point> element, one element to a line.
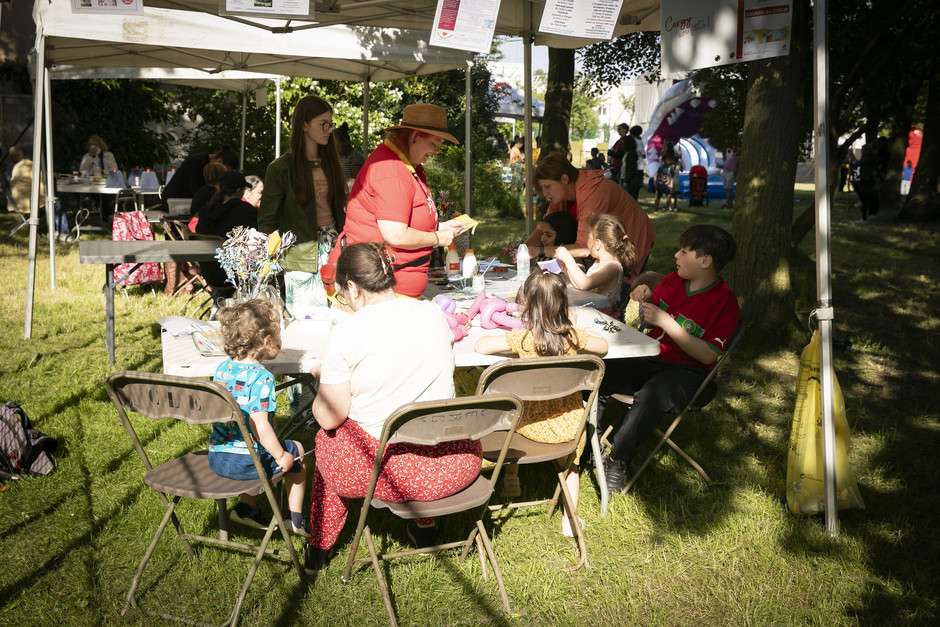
<point>642,293</point>
<point>562,255</point>
<point>652,314</point>
<point>285,461</point>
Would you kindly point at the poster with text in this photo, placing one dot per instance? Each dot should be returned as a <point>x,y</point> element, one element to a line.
<point>465,24</point>
<point>276,9</point>
<point>593,19</point>
<point>696,34</point>
<point>108,7</point>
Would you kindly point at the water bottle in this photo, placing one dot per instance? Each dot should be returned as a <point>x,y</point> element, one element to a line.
<point>522,263</point>
<point>96,167</point>
<point>469,265</point>
<point>453,260</point>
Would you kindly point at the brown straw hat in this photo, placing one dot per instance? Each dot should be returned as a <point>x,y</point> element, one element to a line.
<point>427,118</point>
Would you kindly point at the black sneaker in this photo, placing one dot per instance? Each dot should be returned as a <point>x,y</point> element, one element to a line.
<point>615,472</point>
<point>422,537</point>
<point>315,558</point>
<point>245,514</point>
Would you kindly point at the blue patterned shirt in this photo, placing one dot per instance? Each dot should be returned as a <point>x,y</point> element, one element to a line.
<point>253,388</point>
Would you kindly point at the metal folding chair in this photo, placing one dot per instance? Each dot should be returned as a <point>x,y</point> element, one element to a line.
<point>702,397</point>
<point>431,423</point>
<point>544,378</point>
<point>196,402</point>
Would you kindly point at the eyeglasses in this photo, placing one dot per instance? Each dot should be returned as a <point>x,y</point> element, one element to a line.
<point>327,126</point>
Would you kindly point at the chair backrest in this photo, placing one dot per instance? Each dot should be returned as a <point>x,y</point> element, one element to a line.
<point>432,422</point>
<point>159,396</point>
<point>174,229</point>
<point>649,278</point>
<point>707,389</point>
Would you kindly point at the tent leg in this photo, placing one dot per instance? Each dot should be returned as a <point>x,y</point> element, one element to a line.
<point>34,190</point>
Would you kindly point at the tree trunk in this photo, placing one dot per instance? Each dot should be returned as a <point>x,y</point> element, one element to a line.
<point>761,225</point>
<point>557,117</point>
<point>922,203</point>
<point>898,134</point>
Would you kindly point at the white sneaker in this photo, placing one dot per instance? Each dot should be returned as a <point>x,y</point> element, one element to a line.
<point>566,529</point>
<point>873,216</point>
<point>859,222</point>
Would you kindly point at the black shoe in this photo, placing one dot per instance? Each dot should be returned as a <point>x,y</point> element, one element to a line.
<point>615,472</point>
<point>315,558</point>
<point>245,514</point>
<point>422,537</point>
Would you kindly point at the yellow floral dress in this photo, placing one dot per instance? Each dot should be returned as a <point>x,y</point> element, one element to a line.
<point>557,420</point>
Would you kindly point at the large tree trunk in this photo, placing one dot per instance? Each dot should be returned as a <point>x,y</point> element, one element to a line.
<point>898,134</point>
<point>558,101</point>
<point>761,225</point>
<point>923,202</point>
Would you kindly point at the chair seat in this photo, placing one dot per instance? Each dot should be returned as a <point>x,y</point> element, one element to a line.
<point>523,449</point>
<point>474,495</point>
<point>189,476</point>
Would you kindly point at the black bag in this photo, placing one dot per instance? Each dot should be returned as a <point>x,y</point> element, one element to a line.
<point>22,448</point>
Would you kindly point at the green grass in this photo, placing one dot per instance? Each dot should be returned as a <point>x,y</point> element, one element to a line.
<point>671,552</point>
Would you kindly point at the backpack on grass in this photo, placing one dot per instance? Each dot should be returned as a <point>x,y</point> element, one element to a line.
<point>23,449</point>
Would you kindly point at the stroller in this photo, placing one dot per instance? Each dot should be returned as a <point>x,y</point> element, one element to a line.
<point>698,186</point>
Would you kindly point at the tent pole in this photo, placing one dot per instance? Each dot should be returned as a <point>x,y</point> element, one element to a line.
<point>468,148</point>
<point>241,156</point>
<point>527,185</point>
<point>824,311</point>
<point>50,177</point>
<point>34,190</point>
<point>366,96</point>
<point>277,118</point>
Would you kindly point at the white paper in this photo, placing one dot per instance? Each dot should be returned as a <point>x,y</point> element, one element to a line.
<point>594,19</point>
<point>108,7</point>
<point>268,8</point>
<point>465,24</point>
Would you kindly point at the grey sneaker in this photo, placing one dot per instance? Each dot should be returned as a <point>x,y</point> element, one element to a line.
<point>244,514</point>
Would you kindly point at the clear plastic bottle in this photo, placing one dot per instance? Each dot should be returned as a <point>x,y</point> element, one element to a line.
<point>96,167</point>
<point>453,260</point>
<point>522,263</point>
<point>469,264</point>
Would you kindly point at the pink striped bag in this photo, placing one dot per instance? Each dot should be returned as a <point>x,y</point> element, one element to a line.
<point>129,226</point>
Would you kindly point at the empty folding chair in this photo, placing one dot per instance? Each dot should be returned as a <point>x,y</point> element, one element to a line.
<point>196,402</point>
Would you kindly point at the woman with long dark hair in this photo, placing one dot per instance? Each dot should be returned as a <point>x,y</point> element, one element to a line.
<point>305,193</point>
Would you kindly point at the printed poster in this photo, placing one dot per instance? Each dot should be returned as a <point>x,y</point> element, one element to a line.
<point>465,24</point>
<point>108,7</point>
<point>593,19</point>
<point>284,9</point>
<point>708,33</point>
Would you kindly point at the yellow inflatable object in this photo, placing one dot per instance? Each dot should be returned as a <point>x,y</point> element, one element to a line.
<point>806,492</point>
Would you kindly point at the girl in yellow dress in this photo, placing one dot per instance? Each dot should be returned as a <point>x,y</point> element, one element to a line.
<point>549,331</point>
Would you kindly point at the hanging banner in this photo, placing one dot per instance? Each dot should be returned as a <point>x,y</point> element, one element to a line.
<point>696,34</point>
<point>108,7</point>
<point>465,24</point>
<point>594,19</point>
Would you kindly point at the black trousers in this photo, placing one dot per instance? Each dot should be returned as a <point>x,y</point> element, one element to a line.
<point>657,387</point>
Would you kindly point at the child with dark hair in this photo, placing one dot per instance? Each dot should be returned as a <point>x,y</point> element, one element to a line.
<point>251,333</point>
<point>549,330</point>
<point>692,313</point>
<point>558,229</point>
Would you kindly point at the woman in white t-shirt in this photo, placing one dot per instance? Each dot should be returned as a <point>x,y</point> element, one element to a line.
<point>391,351</point>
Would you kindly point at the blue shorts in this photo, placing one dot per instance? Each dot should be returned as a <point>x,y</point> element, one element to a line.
<point>239,465</point>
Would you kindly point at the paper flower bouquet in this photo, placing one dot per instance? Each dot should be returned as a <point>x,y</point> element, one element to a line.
<point>251,259</point>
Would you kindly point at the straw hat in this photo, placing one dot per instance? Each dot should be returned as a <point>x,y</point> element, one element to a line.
<point>427,118</point>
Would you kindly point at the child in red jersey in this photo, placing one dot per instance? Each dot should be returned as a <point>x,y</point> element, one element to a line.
<point>692,313</point>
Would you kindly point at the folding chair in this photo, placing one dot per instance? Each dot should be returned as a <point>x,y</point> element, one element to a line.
<point>544,378</point>
<point>702,397</point>
<point>196,402</point>
<point>177,230</point>
<point>430,423</point>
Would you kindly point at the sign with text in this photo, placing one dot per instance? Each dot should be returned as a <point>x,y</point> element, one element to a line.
<point>108,7</point>
<point>593,19</point>
<point>275,9</point>
<point>707,33</point>
<point>465,24</point>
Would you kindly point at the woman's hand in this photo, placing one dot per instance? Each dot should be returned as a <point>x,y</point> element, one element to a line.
<point>446,235</point>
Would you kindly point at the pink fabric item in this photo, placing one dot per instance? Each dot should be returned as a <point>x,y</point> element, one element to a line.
<point>410,473</point>
<point>129,226</point>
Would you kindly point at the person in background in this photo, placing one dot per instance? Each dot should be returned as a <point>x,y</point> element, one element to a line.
<point>558,229</point>
<point>667,178</point>
<point>350,158</point>
<point>389,352</point>
<point>15,154</point>
<point>868,185</point>
<point>596,162</point>
<point>189,177</point>
<point>615,152</point>
<point>631,177</point>
<point>636,132</point>
<point>97,149</point>
<point>585,193</point>
<point>305,193</point>
<point>212,174</point>
<point>253,194</point>
<point>728,174</point>
<point>391,202</point>
<point>907,175</point>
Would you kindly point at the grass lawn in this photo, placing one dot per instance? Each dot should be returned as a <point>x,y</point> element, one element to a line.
<point>673,551</point>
